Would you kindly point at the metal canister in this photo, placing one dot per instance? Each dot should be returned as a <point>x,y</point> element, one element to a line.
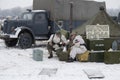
<point>38,55</point>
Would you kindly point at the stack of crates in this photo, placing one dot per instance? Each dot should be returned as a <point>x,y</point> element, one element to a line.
<point>96,48</point>
<point>99,50</point>
<point>112,57</point>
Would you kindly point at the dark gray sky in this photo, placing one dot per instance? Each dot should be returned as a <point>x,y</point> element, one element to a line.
<point>7,4</point>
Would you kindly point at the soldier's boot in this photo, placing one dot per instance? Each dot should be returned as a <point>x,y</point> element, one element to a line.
<point>51,55</point>
<point>70,59</point>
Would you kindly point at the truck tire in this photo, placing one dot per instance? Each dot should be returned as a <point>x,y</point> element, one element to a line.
<point>25,40</point>
<point>11,43</point>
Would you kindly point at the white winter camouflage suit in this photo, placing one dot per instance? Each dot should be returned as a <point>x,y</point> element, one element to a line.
<point>78,47</point>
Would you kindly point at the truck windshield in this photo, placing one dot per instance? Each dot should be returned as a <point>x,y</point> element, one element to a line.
<point>27,16</point>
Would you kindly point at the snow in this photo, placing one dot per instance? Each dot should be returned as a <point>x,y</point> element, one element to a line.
<point>18,64</point>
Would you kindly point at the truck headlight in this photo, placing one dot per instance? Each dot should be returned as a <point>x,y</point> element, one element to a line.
<point>13,30</point>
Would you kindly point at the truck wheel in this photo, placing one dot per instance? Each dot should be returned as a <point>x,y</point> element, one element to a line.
<point>25,40</point>
<point>11,43</point>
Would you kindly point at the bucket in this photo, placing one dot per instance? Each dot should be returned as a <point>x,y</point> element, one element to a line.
<point>38,55</point>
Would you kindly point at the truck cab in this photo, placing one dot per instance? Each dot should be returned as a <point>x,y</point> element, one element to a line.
<point>31,26</point>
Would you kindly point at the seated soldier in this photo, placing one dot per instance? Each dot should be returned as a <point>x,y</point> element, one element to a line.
<point>77,47</point>
<point>55,42</point>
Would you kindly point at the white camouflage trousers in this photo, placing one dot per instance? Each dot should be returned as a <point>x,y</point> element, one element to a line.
<point>77,50</point>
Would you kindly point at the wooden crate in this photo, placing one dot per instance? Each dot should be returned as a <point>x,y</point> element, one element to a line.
<point>112,57</point>
<point>95,45</point>
<point>96,56</point>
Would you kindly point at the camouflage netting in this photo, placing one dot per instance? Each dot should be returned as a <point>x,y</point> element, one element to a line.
<point>101,18</point>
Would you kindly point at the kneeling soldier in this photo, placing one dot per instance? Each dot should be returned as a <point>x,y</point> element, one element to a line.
<point>55,42</point>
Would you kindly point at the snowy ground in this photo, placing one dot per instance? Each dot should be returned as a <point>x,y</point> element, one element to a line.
<point>18,64</point>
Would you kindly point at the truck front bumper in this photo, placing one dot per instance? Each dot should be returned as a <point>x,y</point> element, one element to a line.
<point>13,35</point>
<point>7,36</point>
<point>4,36</point>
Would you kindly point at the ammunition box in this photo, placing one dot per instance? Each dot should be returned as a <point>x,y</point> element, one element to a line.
<point>112,57</point>
<point>96,56</point>
<point>95,44</point>
<point>109,41</point>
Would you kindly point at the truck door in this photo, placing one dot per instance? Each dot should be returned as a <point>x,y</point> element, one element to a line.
<point>40,24</point>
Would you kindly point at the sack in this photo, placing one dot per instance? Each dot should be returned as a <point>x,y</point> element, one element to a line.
<point>63,56</point>
<point>83,57</point>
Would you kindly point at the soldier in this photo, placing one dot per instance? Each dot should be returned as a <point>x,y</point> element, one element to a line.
<point>77,47</point>
<point>55,42</point>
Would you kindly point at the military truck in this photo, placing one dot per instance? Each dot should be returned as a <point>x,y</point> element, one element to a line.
<point>33,25</point>
<point>40,23</point>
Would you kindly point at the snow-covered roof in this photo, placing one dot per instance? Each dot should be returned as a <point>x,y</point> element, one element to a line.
<point>38,10</point>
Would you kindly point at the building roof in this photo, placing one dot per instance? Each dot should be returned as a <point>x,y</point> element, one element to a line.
<point>38,10</point>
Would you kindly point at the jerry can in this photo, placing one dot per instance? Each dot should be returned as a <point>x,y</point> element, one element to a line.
<point>38,55</point>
